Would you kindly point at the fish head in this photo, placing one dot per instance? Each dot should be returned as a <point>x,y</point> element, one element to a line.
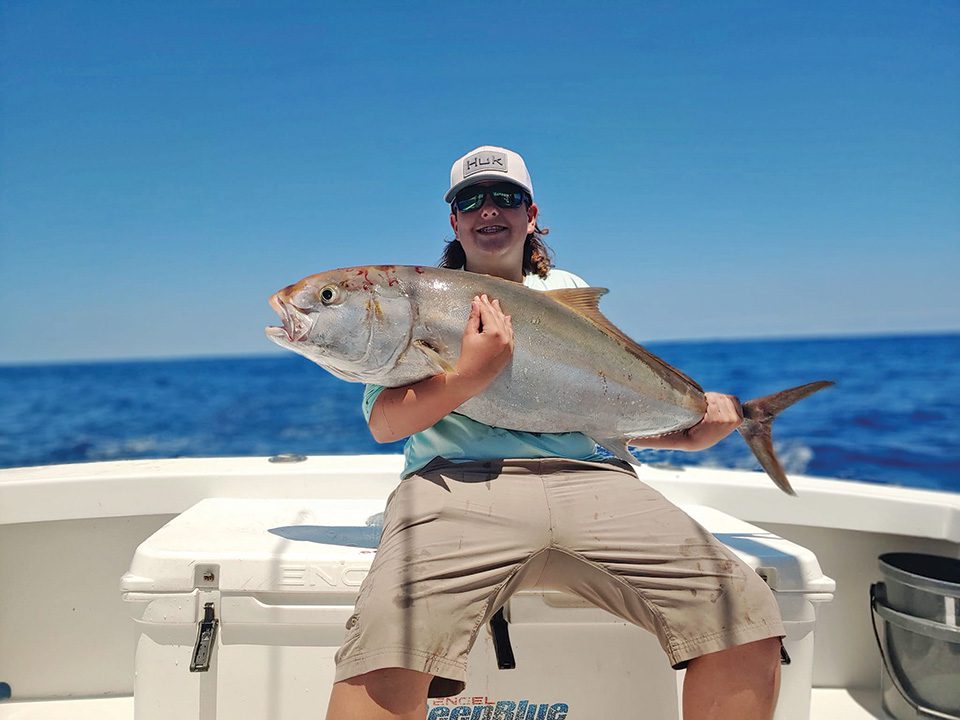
<point>354,322</point>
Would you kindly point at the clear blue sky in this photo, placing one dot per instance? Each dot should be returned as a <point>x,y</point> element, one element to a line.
<point>727,169</point>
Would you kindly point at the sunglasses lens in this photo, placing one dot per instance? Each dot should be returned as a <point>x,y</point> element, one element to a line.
<point>509,199</point>
<point>471,200</point>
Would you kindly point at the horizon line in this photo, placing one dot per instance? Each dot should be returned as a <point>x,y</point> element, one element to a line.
<point>279,352</point>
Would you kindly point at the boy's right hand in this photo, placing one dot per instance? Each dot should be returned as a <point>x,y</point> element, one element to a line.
<point>487,344</point>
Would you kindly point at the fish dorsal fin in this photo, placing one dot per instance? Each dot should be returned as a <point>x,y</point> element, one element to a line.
<point>586,302</point>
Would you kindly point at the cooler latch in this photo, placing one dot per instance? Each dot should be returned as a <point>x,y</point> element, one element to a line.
<point>784,655</point>
<point>501,641</point>
<point>206,638</point>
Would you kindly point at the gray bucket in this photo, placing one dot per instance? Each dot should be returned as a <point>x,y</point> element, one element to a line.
<point>919,606</point>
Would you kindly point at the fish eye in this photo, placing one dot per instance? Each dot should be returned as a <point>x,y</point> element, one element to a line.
<point>329,294</point>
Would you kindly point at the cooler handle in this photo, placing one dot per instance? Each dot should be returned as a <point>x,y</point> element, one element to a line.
<point>875,590</point>
<point>248,610</point>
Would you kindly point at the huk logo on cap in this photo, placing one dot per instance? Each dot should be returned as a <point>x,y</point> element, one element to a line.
<point>484,161</point>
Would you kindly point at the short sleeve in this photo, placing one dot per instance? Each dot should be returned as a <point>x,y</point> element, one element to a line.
<point>556,279</point>
<point>370,395</point>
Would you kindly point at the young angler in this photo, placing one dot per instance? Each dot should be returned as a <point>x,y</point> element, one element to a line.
<point>482,512</point>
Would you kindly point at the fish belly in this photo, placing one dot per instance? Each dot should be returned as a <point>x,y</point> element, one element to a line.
<point>538,396</point>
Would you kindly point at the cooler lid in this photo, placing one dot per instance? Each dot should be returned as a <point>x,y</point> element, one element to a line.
<point>260,545</point>
<point>324,546</point>
<point>786,566</point>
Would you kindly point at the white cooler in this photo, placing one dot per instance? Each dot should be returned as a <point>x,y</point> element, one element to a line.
<point>242,604</point>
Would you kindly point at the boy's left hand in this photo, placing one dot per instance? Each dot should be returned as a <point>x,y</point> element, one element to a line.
<point>723,416</point>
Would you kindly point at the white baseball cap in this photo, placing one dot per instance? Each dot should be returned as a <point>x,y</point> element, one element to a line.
<point>488,162</point>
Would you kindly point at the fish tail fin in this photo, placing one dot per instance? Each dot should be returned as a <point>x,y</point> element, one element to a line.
<point>758,417</point>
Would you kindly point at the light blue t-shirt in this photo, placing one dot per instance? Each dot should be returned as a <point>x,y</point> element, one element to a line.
<point>460,439</point>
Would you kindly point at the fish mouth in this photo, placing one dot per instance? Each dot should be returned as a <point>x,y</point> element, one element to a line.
<point>296,324</point>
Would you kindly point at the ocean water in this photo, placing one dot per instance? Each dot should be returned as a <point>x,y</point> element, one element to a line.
<point>893,417</point>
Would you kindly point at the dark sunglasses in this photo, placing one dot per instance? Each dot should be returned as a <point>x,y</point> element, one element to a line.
<point>504,195</point>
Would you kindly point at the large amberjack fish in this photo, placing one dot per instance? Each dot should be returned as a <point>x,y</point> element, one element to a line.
<point>571,370</point>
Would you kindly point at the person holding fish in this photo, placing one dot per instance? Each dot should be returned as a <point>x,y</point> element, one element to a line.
<point>483,511</point>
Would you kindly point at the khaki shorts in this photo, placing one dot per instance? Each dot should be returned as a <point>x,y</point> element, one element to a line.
<point>459,539</point>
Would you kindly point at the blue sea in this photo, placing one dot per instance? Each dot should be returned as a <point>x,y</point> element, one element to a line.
<point>893,416</point>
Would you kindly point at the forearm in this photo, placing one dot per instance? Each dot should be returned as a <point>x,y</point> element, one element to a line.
<point>401,412</point>
<point>679,440</point>
<point>722,417</point>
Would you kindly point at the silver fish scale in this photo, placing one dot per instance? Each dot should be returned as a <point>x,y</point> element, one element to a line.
<point>566,374</point>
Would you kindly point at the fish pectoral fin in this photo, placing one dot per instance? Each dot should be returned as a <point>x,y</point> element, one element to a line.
<point>617,446</point>
<point>586,302</point>
<point>433,355</point>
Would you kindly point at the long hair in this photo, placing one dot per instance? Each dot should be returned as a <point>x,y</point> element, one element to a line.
<point>537,257</point>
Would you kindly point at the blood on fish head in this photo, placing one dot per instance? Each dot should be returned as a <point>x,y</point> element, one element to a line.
<point>355,322</point>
